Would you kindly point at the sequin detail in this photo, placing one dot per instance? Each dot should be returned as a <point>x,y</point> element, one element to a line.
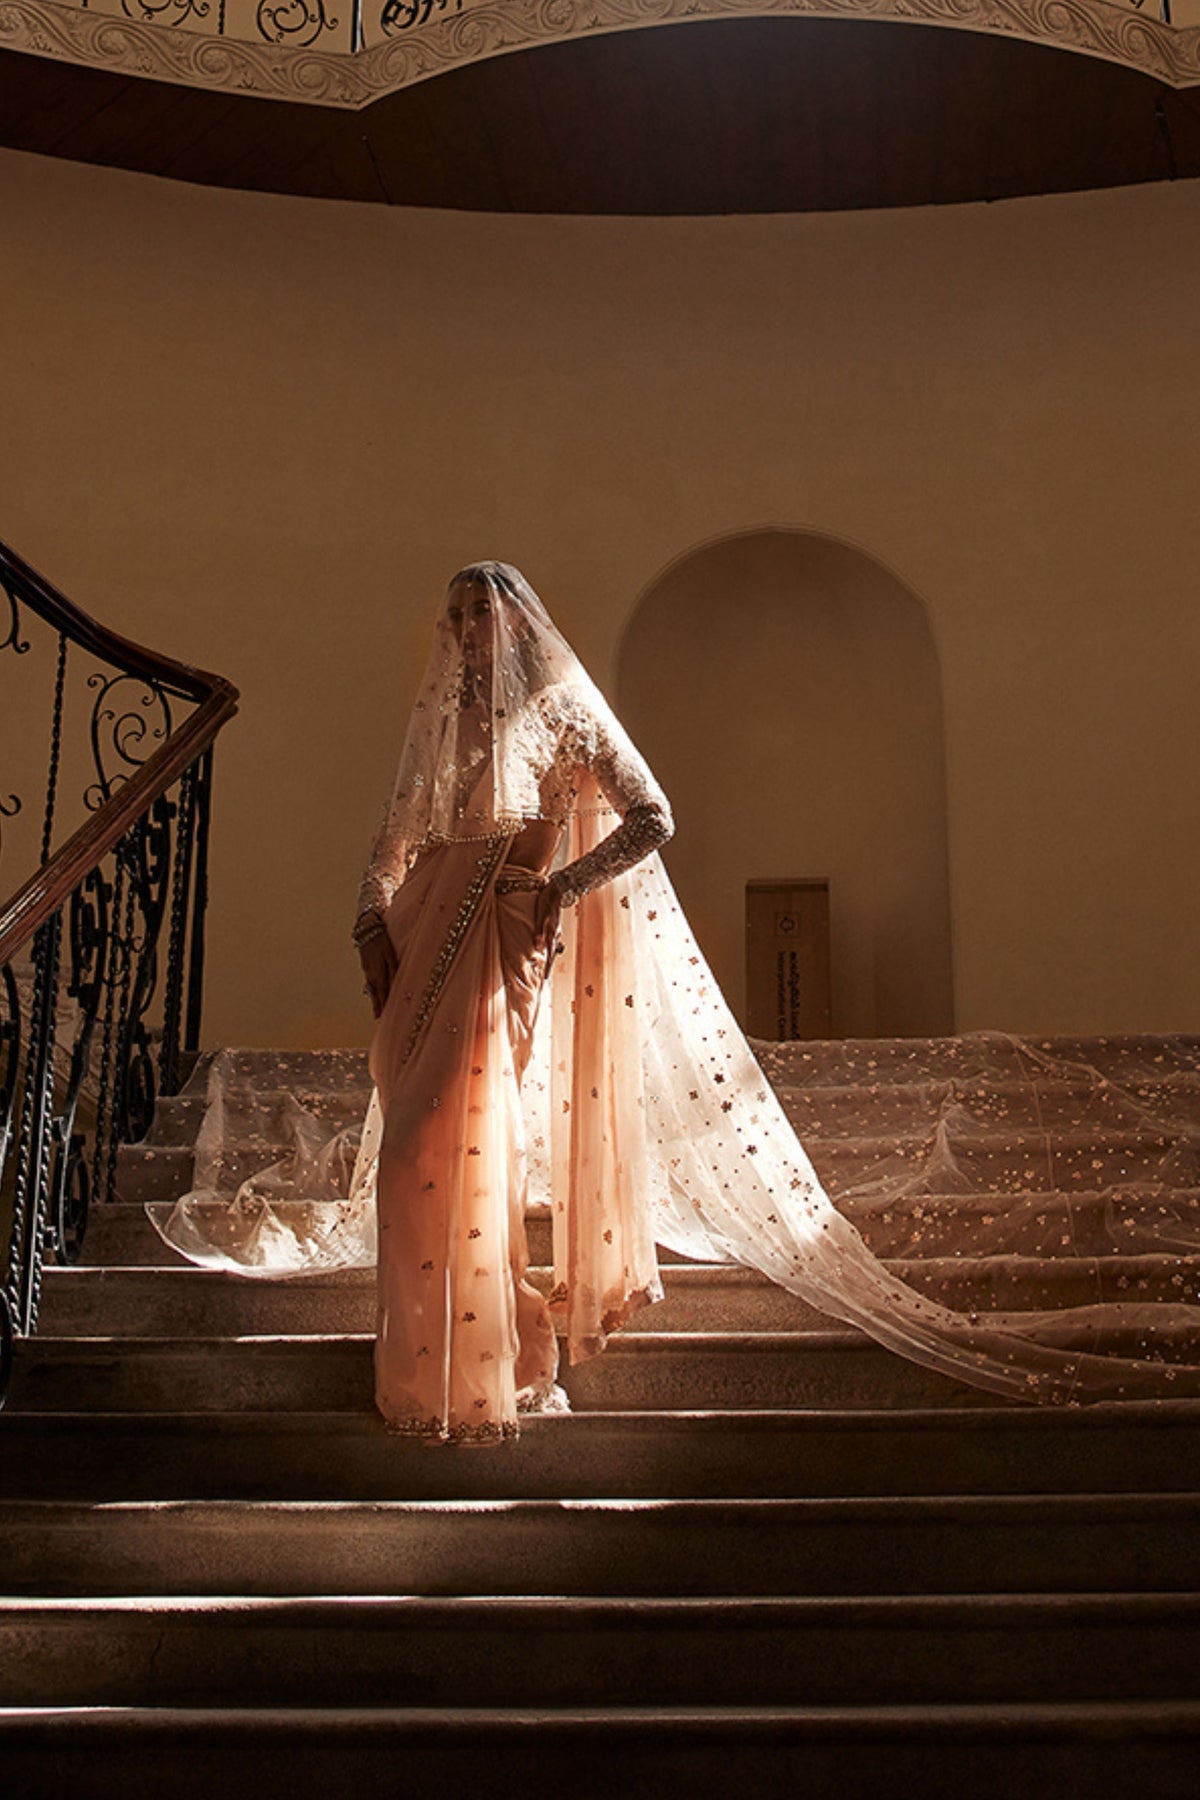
<point>478,885</point>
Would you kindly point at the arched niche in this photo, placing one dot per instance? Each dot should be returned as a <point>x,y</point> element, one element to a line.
<point>786,689</point>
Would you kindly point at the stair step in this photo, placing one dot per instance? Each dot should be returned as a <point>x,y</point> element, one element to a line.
<point>993,1162</point>
<point>988,1056</point>
<point>877,1109</point>
<point>1128,1750</point>
<point>656,1371</point>
<point>186,1302</point>
<point>833,1062</point>
<point>1049,1106</point>
<point>120,1235</point>
<point>781,1558</point>
<point>1001,1163</point>
<point>1120,1447</point>
<point>259,1114</point>
<point>911,1545</point>
<point>554,1652</point>
<point>190,1302</point>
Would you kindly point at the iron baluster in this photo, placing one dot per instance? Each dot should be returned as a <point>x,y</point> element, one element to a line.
<point>191,1040</point>
<point>60,677</point>
<point>34,1148</point>
<point>104,1098</point>
<point>150,870</point>
<point>10,804</point>
<point>123,945</point>
<point>181,882</point>
<point>102,944</point>
<point>10,1058</point>
<point>88,942</point>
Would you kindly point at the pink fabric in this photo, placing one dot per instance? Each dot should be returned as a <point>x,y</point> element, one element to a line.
<point>461,1332</point>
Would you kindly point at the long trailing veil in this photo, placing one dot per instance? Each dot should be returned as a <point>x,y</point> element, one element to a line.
<point>640,1082</point>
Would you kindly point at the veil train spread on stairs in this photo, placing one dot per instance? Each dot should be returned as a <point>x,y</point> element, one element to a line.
<point>644,1117</point>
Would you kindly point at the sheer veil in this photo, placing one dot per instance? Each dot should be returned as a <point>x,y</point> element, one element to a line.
<point>647,1115</point>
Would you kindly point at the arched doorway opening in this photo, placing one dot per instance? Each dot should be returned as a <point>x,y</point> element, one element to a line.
<point>785,687</point>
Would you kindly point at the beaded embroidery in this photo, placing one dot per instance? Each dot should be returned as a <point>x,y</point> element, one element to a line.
<point>478,885</point>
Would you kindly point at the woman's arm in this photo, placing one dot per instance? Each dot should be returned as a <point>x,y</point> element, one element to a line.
<point>628,785</point>
<point>370,934</point>
<point>381,877</point>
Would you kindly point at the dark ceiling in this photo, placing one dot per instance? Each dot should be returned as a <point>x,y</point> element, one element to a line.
<point>752,115</point>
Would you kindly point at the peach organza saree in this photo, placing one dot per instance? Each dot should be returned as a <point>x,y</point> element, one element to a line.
<point>463,1338</point>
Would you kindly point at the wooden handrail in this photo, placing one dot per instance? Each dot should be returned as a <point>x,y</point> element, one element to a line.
<point>64,615</point>
<point>50,885</point>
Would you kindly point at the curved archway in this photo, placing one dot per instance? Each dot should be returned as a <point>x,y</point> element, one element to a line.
<point>786,689</point>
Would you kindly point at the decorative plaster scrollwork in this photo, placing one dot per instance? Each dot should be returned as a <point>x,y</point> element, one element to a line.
<point>427,38</point>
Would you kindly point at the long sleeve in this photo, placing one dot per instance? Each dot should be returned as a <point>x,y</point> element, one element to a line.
<point>631,789</point>
<point>382,875</point>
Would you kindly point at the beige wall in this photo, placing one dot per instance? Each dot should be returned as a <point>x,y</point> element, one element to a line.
<point>259,432</point>
<point>786,690</point>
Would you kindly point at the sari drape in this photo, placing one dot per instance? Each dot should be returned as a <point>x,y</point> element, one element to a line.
<point>628,1098</point>
<point>463,1336</point>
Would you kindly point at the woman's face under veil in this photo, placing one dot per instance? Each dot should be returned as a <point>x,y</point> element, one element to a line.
<point>468,618</point>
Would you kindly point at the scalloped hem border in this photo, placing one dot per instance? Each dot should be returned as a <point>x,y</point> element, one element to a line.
<point>438,1431</point>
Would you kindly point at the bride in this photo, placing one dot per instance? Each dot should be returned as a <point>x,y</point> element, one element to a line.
<point>547,1028</point>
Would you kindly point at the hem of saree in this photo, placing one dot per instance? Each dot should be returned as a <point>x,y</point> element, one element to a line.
<point>437,1431</point>
<point>614,1319</point>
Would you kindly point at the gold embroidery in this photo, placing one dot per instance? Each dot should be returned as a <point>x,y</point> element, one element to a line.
<point>485,869</point>
<point>436,1431</point>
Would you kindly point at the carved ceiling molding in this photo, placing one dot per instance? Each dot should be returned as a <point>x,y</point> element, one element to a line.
<point>1114,33</point>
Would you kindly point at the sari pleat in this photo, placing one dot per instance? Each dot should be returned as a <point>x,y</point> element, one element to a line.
<point>460,1331</point>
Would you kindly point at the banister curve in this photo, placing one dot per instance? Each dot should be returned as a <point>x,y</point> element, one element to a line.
<point>52,605</point>
<point>101,1015</point>
<point>46,889</point>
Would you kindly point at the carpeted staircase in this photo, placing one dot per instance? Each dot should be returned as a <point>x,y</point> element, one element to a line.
<point>762,1554</point>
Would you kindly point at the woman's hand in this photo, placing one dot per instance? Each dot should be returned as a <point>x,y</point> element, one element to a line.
<point>378,958</point>
<point>546,916</point>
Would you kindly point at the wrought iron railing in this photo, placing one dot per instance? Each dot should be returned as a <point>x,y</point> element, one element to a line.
<point>102,947</point>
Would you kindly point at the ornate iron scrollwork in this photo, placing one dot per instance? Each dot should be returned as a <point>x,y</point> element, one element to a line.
<point>10,804</point>
<point>6,1344</point>
<point>10,1058</point>
<point>100,1002</point>
<point>12,639</point>
<point>166,12</point>
<point>297,23</point>
<point>130,718</point>
<point>401,15</point>
<point>31,1190</point>
<point>149,887</point>
<point>89,940</point>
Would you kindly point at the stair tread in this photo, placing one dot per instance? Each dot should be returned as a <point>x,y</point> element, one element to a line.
<point>629,1342</point>
<point>969,1508</point>
<point>673,1274</point>
<point>887,1143</point>
<point>793,1611</point>
<point>995,1720</point>
<point>632,1540</point>
<point>1103,1415</point>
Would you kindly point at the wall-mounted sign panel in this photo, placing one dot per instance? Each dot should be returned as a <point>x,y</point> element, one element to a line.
<point>788,989</point>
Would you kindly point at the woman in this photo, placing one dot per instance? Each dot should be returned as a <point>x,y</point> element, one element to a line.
<point>510,745</point>
<point>523,822</point>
